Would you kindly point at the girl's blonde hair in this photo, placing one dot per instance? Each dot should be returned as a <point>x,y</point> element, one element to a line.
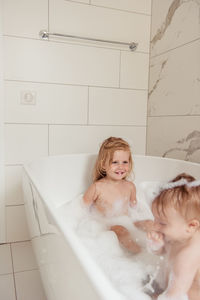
<point>106,153</point>
<point>184,198</point>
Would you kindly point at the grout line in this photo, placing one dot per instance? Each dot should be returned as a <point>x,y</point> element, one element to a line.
<point>17,242</point>
<point>13,271</point>
<point>75,85</point>
<point>13,165</point>
<point>175,48</point>
<point>88,105</point>
<point>48,9</point>
<point>168,116</point>
<point>5,274</point>
<point>48,140</point>
<point>29,270</point>
<point>123,10</point>
<point>11,205</point>
<point>112,8</point>
<point>76,125</point>
<point>148,77</point>
<point>120,57</point>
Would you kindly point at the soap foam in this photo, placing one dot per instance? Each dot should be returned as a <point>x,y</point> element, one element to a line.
<point>130,274</point>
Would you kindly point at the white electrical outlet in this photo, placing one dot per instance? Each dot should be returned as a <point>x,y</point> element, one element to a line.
<point>28,97</point>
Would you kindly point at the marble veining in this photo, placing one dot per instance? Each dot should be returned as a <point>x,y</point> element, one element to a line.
<point>168,19</point>
<point>159,77</point>
<point>189,145</point>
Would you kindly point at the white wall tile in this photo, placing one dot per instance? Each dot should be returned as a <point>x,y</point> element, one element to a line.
<point>142,6</point>
<point>43,61</point>
<point>55,104</point>
<point>134,70</point>
<point>20,17</point>
<point>25,142</point>
<point>99,22</point>
<point>176,137</point>
<point>29,286</point>
<point>87,139</point>
<point>7,287</point>
<point>174,23</point>
<point>5,260</point>
<point>174,87</point>
<point>16,224</point>
<point>23,257</point>
<point>14,195</point>
<point>117,106</point>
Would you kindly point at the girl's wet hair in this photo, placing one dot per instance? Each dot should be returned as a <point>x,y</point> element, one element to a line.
<point>106,153</point>
<point>185,198</point>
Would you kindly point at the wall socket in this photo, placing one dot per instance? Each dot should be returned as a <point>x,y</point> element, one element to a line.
<point>28,97</point>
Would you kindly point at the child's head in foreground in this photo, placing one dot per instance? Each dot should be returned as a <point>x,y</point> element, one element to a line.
<point>114,153</point>
<point>177,208</point>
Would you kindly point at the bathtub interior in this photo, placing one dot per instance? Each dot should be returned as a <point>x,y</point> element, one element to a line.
<point>52,182</point>
<point>62,178</point>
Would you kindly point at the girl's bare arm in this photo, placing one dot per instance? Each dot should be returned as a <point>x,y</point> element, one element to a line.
<point>90,195</point>
<point>133,200</point>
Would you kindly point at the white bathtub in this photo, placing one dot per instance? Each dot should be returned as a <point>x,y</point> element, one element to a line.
<point>68,272</point>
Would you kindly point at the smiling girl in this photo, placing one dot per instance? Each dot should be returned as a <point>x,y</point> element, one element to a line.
<point>111,193</point>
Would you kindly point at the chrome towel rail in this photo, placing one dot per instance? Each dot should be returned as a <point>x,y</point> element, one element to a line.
<point>45,35</point>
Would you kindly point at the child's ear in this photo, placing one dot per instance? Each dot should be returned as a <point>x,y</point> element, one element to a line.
<point>193,225</point>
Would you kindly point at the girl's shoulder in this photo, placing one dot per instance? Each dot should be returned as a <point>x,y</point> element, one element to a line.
<point>130,184</point>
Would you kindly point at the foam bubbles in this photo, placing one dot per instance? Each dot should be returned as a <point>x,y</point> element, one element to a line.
<point>129,273</point>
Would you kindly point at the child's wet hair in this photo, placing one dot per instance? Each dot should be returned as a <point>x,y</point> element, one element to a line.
<point>184,198</point>
<point>105,155</point>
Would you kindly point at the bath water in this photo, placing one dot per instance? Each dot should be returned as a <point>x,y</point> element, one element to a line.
<point>131,274</point>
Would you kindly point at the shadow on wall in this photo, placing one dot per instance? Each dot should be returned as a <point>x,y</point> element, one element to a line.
<point>190,145</point>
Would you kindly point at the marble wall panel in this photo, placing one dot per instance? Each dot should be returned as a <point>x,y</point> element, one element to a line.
<point>174,86</point>
<point>175,137</point>
<point>174,23</point>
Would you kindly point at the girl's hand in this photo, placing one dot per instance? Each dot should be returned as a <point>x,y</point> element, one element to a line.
<point>133,203</point>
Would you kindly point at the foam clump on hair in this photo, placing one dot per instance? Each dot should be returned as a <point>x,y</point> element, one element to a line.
<point>193,183</point>
<point>171,185</point>
<point>182,179</point>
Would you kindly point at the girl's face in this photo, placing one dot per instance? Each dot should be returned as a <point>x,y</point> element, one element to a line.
<point>173,226</point>
<point>120,165</point>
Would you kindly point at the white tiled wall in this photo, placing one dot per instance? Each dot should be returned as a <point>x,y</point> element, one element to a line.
<point>84,92</point>
<point>174,86</point>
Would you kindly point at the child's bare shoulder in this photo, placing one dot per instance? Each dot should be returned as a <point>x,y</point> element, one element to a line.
<point>192,252</point>
<point>130,185</point>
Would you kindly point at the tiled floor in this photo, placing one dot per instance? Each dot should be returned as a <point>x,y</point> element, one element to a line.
<point>19,277</point>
